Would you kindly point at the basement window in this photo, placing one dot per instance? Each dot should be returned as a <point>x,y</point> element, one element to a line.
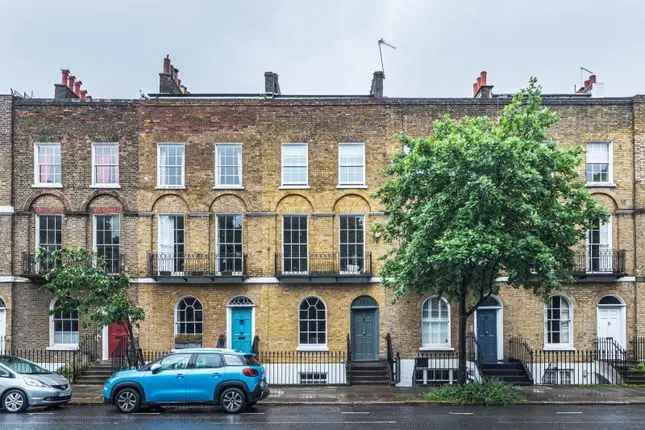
<point>313,378</point>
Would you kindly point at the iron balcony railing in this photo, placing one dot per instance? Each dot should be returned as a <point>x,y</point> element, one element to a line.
<point>36,265</point>
<point>196,265</point>
<point>596,261</point>
<point>323,264</point>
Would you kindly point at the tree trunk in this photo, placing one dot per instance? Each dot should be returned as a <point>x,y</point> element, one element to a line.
<point>463,320</point>
<point>132,349</point>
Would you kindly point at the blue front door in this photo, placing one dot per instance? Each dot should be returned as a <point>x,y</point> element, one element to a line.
<point>487,334</point>
<point>241,320</point>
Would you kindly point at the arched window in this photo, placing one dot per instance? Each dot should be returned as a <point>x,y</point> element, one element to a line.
<point>435,323</point>
<point>558,322</point>
<point>313,322</point>
<point>610,301</point>
<point>189,316</point>
<point>64,326</point>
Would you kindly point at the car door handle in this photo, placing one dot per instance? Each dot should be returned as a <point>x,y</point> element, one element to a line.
<point>180,375</point>
<point>215,375</point>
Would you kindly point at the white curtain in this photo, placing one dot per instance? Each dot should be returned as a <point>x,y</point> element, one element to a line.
<point>598,153</point>
<point>166,244</point>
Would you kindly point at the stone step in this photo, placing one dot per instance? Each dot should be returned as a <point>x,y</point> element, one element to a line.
<point>90,380</point>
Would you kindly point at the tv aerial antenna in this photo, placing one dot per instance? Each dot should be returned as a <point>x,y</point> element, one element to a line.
<point>380,51</point>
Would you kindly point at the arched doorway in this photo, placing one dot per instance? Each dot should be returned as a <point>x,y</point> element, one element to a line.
<point>364,329</point>
<point>611,319</point>
<point>240,323</point>
<point>488,329</point>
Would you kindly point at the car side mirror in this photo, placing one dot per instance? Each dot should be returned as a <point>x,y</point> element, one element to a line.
<point>155,368</point>
<point>4,374</point>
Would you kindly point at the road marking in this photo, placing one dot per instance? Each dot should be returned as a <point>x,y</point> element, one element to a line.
<point>252,413</point>
<point>461,413</point>
<point>40,413</point>
<point>355,413</point>
<point>147,413</point>
<point>568,412</point>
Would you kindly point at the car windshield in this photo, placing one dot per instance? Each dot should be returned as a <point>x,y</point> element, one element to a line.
<point>21,366</point>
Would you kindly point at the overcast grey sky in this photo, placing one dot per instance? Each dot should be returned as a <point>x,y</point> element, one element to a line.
<point>326,47</point>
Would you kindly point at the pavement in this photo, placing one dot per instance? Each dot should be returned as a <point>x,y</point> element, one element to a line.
<point>315,417</point>
<point>376,395</point>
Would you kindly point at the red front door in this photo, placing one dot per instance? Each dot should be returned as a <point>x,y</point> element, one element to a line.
<point>117,333</point>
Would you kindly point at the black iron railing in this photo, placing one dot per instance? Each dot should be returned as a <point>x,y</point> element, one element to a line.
<point>519,350</point>
<point>323,264</point>
<point>596,261</point>
<point>69,363</point>
<point>196,265</point>
<point>305,367</point>
<point>638,349</point>
<point>393,361</point>
<point>35,265</point>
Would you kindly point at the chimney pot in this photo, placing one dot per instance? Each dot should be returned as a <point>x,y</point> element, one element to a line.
<point>475,88</point>
<point>77,87</point>
<point>70,82</point>
<point>483,75</point>
<point>592,79</point>
<point>166,64</point>
<point>64,76</point>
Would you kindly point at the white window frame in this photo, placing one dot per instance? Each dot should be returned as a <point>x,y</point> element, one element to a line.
<point>363,183</point>
<point>169,214</point>
<point>176,331</point>
<point>240,166</point>
<point>314,346</point>
<point>59,346</point>
<point>287,185</point>
<point>340,243</point>
<point>610,169</point>
<point>558,346</point>
<point>218,243</point>
<point>37,182</point>
<point>282,245</point>
<point>436,346</point>
<point>610,244</point>
<point>96,184</point>
<point>94,225</point>
<point>183,167</point>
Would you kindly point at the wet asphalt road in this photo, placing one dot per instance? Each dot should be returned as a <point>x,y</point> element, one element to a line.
<point>331,417</point>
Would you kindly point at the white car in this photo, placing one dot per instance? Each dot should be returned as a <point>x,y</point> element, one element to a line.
<point>24,384</point>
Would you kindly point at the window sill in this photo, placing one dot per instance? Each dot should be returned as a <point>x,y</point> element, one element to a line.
<point>559,348</point>
<point>46,185</point>
<point>105,186</point>
<point>62,348</point>
<point>350,186</point>
<point>600,185</point>
<point>170,187</point>
<point>312,348</point>
<point>436,348</point>
<point>228,187</point>
<point>294,187</point>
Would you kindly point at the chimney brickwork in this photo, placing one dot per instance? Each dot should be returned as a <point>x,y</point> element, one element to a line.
<point>481,88</point>
<point>271,83</point>
<point>376,89</point>
<point>169,82</point>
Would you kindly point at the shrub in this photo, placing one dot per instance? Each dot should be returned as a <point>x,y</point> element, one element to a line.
<point>489,393</point>
<point>639,368</point>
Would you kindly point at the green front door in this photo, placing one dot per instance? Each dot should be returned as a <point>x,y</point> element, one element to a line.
<point>364,334</point>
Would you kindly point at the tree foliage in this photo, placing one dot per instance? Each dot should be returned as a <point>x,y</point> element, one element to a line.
<point>78,280</point>
<point>483,197</point>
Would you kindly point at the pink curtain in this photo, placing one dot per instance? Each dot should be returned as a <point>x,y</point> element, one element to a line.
<point>46,159</point>
<point>105,173</point>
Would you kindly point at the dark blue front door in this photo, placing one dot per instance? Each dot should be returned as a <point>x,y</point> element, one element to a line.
<point>241,329</point>
<point>487,334</point>
<point>364,334</point>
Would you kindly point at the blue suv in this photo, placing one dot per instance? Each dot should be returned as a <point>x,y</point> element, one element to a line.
<point>190,376</point>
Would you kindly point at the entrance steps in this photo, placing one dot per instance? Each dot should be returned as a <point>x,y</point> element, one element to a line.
<point>96,374</point>
<point>374,372</point>
<point>511,372</point>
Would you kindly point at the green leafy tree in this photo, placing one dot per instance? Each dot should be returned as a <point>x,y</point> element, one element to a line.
<point>480,198</point>
<point>78,280</point>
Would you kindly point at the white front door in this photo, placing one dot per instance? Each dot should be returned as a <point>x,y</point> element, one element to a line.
<point>611,323</point>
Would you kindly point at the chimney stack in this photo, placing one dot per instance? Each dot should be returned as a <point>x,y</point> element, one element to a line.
<point>271,84</point>
<point>588,85</point>
<point>376,89</point>
<point>169,82</point>
<point>481,89</point>
<point>69,88</point>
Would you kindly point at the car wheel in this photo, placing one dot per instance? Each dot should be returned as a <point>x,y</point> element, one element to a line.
<point>14,401</point>
<point>232,400</point>
<point>127,400</point>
